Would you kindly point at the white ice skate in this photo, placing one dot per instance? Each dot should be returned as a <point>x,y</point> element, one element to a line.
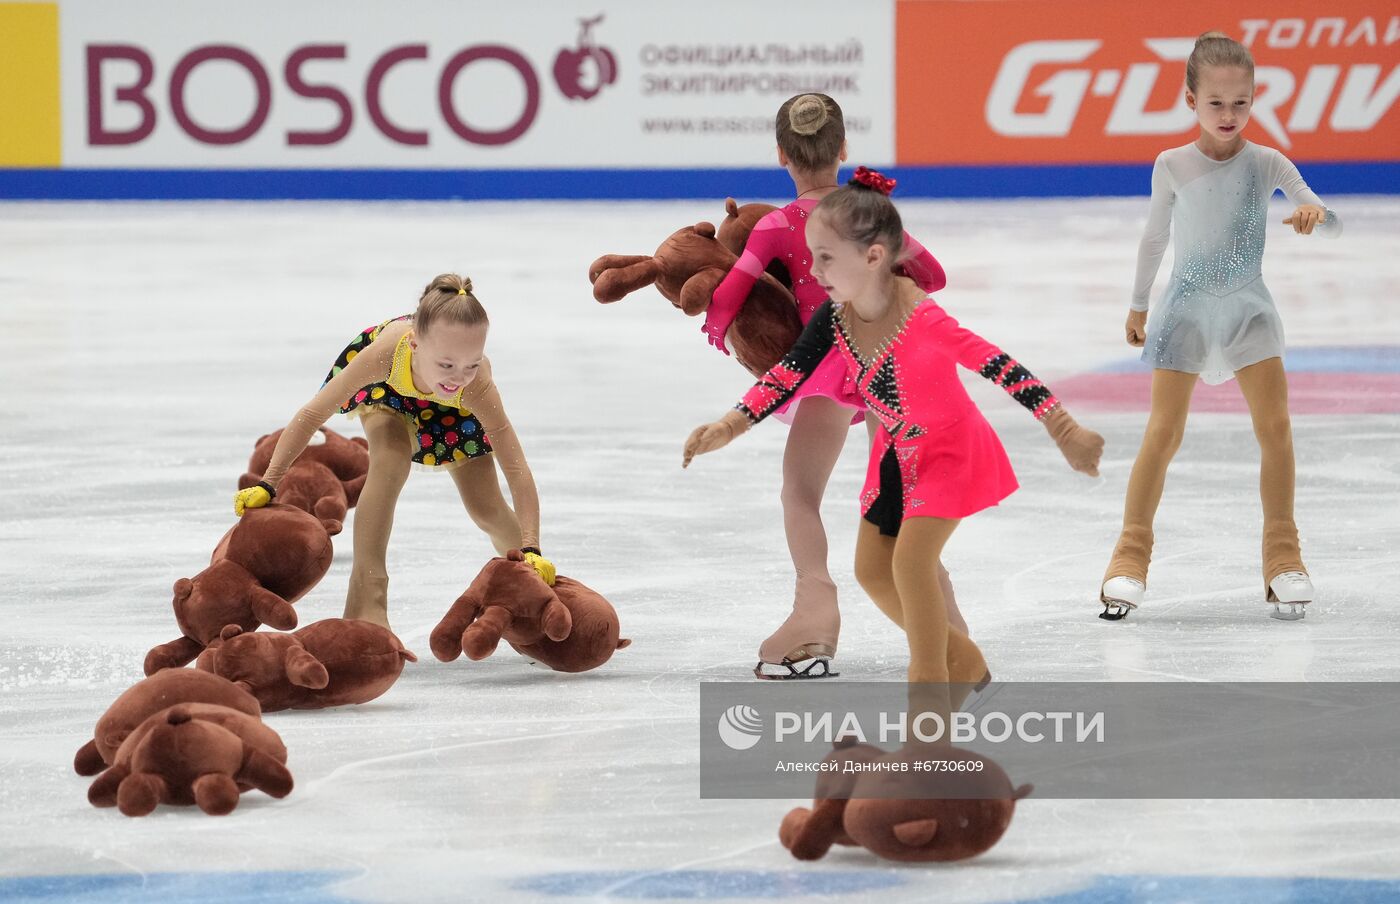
<point>805,643</point>
<point>810,661</point>
<point>1120,596</point>
<point>1292,589</point>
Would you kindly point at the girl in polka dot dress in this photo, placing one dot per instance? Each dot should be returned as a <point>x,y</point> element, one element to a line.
<point>811,146</point>
<point>421,386</point>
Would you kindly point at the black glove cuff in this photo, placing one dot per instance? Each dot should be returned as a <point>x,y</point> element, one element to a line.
<point>271,491</point>
<point>533,549</point>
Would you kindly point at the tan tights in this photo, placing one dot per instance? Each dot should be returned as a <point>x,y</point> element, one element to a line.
<point>904,577</point>
<point>390,456</point>
<point>1265,389</point>
<point>814,444</point>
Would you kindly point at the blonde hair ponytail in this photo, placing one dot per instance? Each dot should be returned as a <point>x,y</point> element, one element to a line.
<point>448,299</point>
<point>1215,48</point>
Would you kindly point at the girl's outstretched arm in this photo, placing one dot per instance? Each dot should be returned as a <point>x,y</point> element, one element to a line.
<point>370,366</point>
<point>484,400</point>
<point>772,389</point>
<point>1082,448</point>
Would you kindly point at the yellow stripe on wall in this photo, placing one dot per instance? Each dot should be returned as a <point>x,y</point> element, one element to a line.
<point>30,133</point>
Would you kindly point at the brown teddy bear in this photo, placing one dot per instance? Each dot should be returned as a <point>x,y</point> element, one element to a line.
<point>809,834</point>
<point>932,816</point>
<point>149,695</point>
<point>688,267</point>
<point>325,480</point>
<point>568,627</point>
<point>270,559</point>
<point>913,815</point>
<point>592,640</point>
<point>331,662</point>
<point>193,753</point>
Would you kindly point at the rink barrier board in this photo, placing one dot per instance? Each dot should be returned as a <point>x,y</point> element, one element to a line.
<point>337,887</point>
<point>615,184</point>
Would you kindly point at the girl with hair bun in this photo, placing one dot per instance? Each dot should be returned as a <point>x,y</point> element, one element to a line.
<point>421,386</point>
<point>1216,318</point>
<point>935,459</point>
<point>811,135</point>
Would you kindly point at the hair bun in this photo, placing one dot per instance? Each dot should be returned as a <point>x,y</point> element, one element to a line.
<point>808,114</point>
<point>873,180</point>
<point>466,284</point>
<point>1212,35</point>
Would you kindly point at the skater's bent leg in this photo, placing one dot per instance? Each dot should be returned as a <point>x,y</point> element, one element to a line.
<point>915,570</point>
<point>875,570</point>
<point>1265,388</point>
<point>1166,425</point>
<point>955,616</point>
<point>486,505</point>
<point>390,454</point>
<point>814,444</point>
<point>875,574</point>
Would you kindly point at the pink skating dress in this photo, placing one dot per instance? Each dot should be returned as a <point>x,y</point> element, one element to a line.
<point>935,455</point>
<point>782,236</point>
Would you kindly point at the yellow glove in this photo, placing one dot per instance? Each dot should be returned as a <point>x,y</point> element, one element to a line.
<point>543,567</point>
<point>256,496</point>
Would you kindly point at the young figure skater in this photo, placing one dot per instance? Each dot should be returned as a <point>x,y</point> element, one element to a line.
<point>421,386</point>
<point>1216,317</point>
<point>811,136</point>
<point>935,460</point>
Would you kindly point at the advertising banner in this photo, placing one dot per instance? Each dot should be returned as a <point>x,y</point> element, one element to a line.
<point>1102,81</point>
<point>613,83</point>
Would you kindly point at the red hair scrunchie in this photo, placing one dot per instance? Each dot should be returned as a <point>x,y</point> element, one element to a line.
<point>873,180</point>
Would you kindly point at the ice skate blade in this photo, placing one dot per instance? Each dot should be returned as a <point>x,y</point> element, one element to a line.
<point>1296,611</point>
<point>788,670</point>
<point>1115,610</point>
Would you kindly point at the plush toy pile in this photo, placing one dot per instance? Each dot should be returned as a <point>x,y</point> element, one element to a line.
<point>195,737</point>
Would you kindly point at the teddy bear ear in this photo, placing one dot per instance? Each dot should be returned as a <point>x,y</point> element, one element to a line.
<point>229,632</point>
<point>360,441</point>
<point>515,555</point>
<point>917,832</point>
<point>183,588</point>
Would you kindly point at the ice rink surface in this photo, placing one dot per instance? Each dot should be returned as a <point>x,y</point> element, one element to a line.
<point>148,345</point>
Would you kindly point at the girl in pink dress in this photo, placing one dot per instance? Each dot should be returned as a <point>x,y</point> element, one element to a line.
<point>935,460</point>
<point>811,146</point>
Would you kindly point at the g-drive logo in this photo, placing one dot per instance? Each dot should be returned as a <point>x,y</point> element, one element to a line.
<point>741,727</point>
<point>1360,94</point>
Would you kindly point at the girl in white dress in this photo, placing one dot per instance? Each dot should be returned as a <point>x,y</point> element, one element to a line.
<point>1215,319</point>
